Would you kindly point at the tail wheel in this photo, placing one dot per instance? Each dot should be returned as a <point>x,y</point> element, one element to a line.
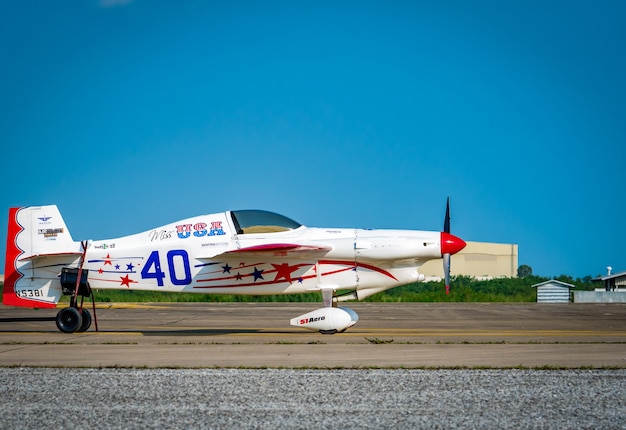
<point>69,320</point>
<point>86,321</point>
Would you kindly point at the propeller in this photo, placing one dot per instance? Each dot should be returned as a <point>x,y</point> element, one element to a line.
<point>446,256</point>
<point>450,244</point>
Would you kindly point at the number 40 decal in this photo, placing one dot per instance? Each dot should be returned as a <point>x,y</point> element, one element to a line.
<point>152,268</point>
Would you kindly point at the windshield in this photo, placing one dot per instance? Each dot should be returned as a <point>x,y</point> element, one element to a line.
<point>255,221</point>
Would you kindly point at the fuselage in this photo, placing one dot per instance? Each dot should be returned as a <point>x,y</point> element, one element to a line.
<point>214,254</point>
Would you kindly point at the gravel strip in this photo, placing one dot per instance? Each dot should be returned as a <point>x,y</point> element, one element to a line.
<point>35,398</point>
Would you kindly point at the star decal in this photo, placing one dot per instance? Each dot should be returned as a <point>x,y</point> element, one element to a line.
<point>100,271</point>
<point>258,274</point>
<point>126,281</point>
<point>284,271</point>
<point>238,276</point>
<point>117,267</point>
<point>130,267</point>
<point>107,260</point>
<point>226,268</point>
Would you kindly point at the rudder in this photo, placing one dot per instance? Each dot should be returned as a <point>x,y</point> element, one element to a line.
<point>39,245</point>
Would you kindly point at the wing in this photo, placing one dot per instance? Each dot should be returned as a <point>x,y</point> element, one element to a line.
<point>279,250</point>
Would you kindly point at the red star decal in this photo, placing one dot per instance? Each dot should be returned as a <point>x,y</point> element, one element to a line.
<point>284,271</point>
<point>127,281</point>
<point>107,260</point>
<point>100,271</point>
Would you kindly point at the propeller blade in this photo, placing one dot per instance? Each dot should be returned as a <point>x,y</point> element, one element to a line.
<point>446,271</point>
<point>446,222</point>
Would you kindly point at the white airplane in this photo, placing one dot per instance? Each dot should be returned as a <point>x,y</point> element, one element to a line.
<point>247,252</point>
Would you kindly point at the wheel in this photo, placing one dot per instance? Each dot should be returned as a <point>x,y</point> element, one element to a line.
<point>333,331</point>
<point>69,320</point>
<point>86,321</point>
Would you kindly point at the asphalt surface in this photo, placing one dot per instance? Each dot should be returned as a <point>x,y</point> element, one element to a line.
<point>505,366</point>
<point>258,335</point>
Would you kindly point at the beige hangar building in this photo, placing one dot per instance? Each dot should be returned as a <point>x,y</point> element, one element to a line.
<point>480,260</point>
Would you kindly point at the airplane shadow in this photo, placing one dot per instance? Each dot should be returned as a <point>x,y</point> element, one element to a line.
<point>195,332</point>
<point>26,319</point>
<point>206,332</point>
<point>151,332</point>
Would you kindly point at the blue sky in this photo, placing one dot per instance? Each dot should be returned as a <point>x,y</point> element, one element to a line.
<point>132,114</point>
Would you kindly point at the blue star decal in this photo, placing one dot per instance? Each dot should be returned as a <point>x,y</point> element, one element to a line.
<point>226,268</point>
<point>130,267</point>
<point>117,267</point>
<point>257,274</point>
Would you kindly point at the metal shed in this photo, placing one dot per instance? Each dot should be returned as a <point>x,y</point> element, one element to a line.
<point>613,282</point>
<point>553,291</point>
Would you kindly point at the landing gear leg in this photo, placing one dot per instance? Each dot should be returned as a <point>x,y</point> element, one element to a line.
<point>74,282</point>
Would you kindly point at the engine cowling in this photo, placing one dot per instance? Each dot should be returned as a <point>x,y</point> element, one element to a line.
<point>327,320</point>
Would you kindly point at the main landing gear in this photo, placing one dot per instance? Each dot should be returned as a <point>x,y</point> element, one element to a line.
<point>75,318</point>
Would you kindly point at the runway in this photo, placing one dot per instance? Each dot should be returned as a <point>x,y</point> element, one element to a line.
<point>258,335</point>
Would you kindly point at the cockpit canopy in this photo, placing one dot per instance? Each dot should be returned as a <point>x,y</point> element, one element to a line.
<point>257,221</point>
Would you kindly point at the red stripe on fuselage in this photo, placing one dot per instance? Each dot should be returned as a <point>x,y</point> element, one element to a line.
<point>352,265</point>
<point>363,265</point>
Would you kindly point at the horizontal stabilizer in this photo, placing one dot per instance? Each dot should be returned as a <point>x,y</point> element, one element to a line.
<point>58,254</point>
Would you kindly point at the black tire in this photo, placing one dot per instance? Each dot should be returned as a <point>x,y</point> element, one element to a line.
<point>69,320</point>
<point>333,331</point>
<point>86,321</point>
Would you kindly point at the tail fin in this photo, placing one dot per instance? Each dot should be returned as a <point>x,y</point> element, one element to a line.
<point>39,245</point>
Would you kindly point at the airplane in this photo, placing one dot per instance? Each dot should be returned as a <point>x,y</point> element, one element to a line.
<point>247,252</point>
